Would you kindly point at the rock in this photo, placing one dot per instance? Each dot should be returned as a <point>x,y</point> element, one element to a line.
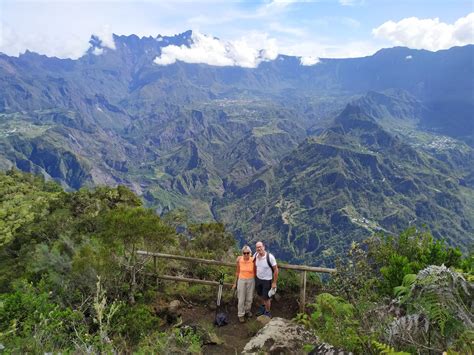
<point>174,306</point>
<point>263,319</point>
<point>160,307</point>
<point>280,336</point>
<point>169,311</point>
<point>173,311</point>
<point>326,349</point>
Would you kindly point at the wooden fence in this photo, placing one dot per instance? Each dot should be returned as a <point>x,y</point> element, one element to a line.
<point>303,269</point>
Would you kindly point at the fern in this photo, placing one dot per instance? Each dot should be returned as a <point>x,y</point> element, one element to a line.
<point>438,306</point>
<point>403,291</point>
<point>387,349</point>
<point>437,314</point>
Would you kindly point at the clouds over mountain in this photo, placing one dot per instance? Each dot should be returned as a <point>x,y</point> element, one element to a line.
<point>58,45</point>
<point>307,61</point>
<point>246,52</point>
<point>14,43</point>
<point>431,34</point>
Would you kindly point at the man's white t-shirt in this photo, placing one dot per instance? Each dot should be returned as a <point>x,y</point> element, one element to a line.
<point>264,272</point>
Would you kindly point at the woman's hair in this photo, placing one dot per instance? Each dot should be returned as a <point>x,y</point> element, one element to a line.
<point>246,248</point>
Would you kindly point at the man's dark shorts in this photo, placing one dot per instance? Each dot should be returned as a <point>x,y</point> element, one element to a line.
<point>262,287</point>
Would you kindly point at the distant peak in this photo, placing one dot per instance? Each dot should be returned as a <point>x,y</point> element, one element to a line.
<point>352,109</point>
<point>95,41</point>
<point>399,51</point>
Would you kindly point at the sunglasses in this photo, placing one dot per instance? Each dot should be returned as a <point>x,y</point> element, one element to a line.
<point>246,253</point>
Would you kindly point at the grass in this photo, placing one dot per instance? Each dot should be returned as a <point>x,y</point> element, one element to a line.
<point>253,326</point>
<point>266,130</point>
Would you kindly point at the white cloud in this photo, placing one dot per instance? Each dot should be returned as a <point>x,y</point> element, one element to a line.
<point>98,51</point>
<point>13,43</point>
<point>351,2</point>
<point>326,48</point>
<point>307,61</point>
<point>209,50</point>
<point>281,3</point>
<point>408,57</point>
<point>63,28</point>
<point>428,34</point>
<point>106,36</point>
<point>59,45</point>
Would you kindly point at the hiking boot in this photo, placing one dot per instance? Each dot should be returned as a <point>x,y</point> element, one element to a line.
<point>249,314</point>
<point>268,314</point>
<point>241,319</point>
<point>261,310</point>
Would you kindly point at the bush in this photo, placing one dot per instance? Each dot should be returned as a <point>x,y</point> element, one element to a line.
<point>408,253</point>
<point>332,317</point>
<point>31,322</point>
<point>133,323</point>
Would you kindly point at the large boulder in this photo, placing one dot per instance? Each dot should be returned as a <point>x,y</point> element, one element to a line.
<point>280,336</point>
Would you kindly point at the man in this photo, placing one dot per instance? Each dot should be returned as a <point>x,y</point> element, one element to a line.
<point>267,277</point>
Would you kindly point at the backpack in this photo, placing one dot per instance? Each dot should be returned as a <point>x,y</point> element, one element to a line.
<point>268,260</point>
<point>221,319</point>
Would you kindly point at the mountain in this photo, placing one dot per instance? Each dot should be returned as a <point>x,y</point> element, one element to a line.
<point>352,180</point>
<point>296,154</point>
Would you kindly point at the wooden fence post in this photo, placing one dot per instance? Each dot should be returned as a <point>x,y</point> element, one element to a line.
<point>302,291</point>
<point>155,269</point>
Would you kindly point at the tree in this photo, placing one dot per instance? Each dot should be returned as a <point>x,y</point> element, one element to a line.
<point>125,230</point>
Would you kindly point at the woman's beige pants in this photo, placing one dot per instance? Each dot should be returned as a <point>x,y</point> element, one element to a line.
<point>245,289</point>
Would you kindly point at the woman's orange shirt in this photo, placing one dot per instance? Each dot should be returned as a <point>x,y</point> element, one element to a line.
<point>246,268</point>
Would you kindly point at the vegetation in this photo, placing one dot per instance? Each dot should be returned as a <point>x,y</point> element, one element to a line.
<point>389,294</point>
<point>71,280</point>
<point>70,276</point>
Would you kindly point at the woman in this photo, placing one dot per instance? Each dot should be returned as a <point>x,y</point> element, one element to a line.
<point>245,283</point>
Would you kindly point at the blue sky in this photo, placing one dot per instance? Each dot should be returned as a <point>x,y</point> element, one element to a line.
<point>325,28</point>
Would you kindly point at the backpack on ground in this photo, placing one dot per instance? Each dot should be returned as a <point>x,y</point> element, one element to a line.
<point>222,317</point>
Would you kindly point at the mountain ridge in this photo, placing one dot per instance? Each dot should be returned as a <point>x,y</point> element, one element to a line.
<point>214,140</point>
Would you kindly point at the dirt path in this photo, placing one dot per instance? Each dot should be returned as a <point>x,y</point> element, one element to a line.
<point>234,335</point>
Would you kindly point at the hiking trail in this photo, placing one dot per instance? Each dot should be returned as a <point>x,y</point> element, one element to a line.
<point>234,335</point>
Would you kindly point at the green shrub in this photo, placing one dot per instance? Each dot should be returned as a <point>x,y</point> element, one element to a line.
<point>408,253</point>
<point>133,323</point>
<point>154,343</point>
<point>387,349</point>
<point>31,322</point>
<point>288,281</point>
<point>332,317</point>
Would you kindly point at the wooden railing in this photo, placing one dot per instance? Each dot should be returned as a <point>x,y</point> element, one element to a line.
<point>302,268</point>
